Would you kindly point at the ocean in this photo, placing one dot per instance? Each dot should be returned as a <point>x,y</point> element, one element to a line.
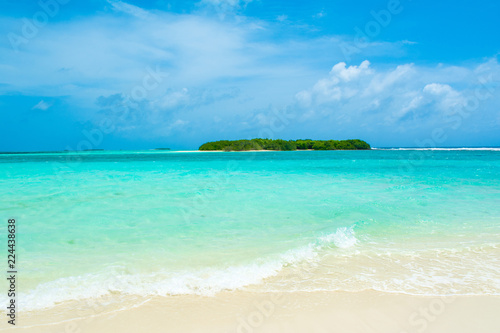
<point>135,224</point>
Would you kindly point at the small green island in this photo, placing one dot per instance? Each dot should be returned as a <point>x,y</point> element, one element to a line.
<point>285,145</point>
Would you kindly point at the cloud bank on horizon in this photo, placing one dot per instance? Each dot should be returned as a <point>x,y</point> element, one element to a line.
<point>144,74</point>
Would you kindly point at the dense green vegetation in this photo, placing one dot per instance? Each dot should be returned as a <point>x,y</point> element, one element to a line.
<point>269,144</point>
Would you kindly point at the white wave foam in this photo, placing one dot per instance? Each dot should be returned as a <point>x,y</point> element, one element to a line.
<point>445,149</point>
<point>342,238</point>
<point>206,282</point>
<point>425,272</point>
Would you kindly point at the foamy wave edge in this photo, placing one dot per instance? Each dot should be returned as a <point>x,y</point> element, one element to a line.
<point>445,149</point>
<point>206,282</point>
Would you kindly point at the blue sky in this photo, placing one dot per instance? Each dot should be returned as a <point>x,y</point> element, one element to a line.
<point>144,74</point>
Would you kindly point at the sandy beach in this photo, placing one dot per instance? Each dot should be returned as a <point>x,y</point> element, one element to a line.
<point>242,312</point>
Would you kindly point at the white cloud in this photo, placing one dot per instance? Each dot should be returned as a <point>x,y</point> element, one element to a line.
<point>231,3</point>
<point>438,89</point>
<point>320,14</point>
<point>448,98</point>
<point>387,97</point>
<point>282,18</point>
<point>174,99</point>
<point>42,105</point>
<point>414,103</point>
<point>351,72</point>
<point>129,9</point>
<point>225,6</point>
<point>385,80</point>
<point>336,86</point>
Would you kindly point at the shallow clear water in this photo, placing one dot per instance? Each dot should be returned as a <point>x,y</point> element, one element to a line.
<point>168,223</point>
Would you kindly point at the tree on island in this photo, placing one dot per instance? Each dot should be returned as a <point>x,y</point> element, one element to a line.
<point>285,145</point>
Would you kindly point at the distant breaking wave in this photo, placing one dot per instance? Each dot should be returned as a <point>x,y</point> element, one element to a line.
<point>444,149</point>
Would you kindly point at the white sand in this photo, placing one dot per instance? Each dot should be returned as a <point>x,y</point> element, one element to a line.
<point>244,312</point>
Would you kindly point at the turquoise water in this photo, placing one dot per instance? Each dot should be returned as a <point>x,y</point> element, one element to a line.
<point>171,223</point>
